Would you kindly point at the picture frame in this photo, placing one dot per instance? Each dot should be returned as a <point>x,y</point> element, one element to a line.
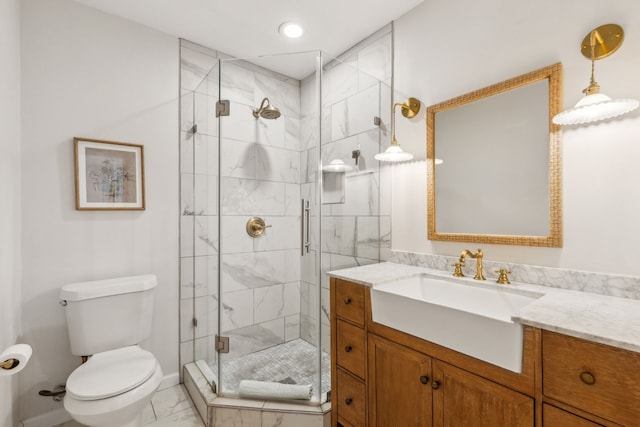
<point>109,175</point>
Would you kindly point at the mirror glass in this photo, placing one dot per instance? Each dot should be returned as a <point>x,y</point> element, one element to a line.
<point>497,174</point>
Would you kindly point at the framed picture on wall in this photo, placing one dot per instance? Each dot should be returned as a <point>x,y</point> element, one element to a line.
<point>109,175</point>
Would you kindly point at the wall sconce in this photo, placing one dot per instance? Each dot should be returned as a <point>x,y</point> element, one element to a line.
<point>598,44</point>
<point>394,153</point>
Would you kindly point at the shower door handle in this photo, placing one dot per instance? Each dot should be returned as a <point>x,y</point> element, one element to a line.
<point>305,241</point>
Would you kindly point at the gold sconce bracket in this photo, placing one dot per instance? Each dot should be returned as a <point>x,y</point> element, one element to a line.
<point>410,107</point>
<point>606,40</point>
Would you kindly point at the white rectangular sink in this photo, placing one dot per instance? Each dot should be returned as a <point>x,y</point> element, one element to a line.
<point>470,318</point>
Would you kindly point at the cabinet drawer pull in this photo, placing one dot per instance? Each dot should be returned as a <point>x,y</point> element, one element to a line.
<point>588,378</point>
<point>347,300</point>
<point>348,349</point>
<point>348,401</point>
<point>435,385</point>
<point>424,379</point>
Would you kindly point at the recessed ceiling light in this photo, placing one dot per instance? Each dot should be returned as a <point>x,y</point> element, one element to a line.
<point>290,30</point>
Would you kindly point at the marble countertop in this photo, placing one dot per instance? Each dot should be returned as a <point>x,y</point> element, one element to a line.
<point>608,320</point>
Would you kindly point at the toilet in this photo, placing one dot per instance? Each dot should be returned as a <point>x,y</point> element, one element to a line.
<point>107,319</point>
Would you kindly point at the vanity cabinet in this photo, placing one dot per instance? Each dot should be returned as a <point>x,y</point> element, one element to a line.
<point>409,388</point>
<point>400,385</point>
<point>391,379</point>
<point>348,354</point>
<point>592,378</point>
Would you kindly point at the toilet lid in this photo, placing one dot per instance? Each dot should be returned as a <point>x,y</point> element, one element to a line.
<point>111,373</point>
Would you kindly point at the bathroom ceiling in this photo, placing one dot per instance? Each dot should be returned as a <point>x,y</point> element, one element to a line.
<point>249,28</point>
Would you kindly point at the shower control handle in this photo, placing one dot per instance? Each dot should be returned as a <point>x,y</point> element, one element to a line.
<point>256,226</point>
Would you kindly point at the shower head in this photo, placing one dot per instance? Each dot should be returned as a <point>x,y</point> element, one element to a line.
<point>266,110</point>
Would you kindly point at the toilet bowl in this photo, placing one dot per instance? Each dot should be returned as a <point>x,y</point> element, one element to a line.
<point>112,388</point>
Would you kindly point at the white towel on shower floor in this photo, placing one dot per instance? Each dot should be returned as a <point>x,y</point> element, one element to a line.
<point>269,390</point>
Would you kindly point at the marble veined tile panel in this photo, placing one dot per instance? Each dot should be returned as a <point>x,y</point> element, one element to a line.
<point>285,95</point>
<point>237,82</point>
<point>248,197</point>
<point>339,235</point>
<point>292,200</point>
<point>292,133</point>
<point>284,233</point>
<point>368,232</point>
<point>340,81</point>
<point>234,237</point>
<point>374,61</point>
<point>254,338</point>
<point>361,195</point>
<point>194,65</point>
<point>253,270</point>
<point>292,327</point>
<point>237,309</point>
<point>275,164</point>
<point>355,114</point>
<point>242,126</point>
<point>268,303</point>
<point>238,159</point>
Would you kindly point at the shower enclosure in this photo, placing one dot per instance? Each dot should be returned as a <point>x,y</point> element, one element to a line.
<point>264,216</point>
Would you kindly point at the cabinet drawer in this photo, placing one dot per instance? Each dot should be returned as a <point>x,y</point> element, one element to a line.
<point>351,348</point>
<point>350,301</point>
<point>554,417</point>
<point>350,399</point>
<point>594,377</point>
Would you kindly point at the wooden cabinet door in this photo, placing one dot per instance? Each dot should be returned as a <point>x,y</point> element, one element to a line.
<point>464,399</point>
<point>554,417</point>
<point>399,385</point>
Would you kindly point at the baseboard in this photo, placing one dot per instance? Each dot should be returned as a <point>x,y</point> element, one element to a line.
<point>169,381</point>
<point>48,419</point>
<point>60,415</point>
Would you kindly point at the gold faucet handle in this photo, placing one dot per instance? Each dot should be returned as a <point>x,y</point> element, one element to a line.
<point>458,269</point>
<point>503,279</point>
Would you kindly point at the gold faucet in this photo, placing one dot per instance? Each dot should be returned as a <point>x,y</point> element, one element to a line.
<point>478,257</point>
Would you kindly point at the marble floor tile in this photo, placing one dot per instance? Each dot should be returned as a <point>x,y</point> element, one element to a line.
<point>170,407</point>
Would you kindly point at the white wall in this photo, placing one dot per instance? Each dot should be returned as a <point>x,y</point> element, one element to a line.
<point>446,49</point>
<point>10,196</point>
<point>89,74</point>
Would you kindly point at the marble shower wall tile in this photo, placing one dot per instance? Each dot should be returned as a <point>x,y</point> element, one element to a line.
<point>373,61</point>
<point>339,235</point>
<point>195,63</point>
<point>255,338</point>
<point>237,82</point>
<point>199,276</point>
<point>268,303</point>
<point>248,197</point>
<point>283,93</point>
<point>253,270</point>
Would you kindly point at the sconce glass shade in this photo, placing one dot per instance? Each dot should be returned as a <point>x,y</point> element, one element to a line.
<point>410,108</point>
<point>594,107</point>
<point>394,154</point>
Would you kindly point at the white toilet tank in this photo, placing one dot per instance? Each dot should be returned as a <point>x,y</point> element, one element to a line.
<point>108,314</point>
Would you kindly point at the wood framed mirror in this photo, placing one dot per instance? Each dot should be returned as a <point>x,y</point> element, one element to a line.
<point>494,163</point>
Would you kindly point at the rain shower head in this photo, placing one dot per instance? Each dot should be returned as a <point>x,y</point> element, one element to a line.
<point>266,110</point>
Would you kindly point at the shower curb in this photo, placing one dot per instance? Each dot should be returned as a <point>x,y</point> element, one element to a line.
<point>254,413</point>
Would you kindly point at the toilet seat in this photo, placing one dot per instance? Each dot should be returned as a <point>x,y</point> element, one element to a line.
<point>111,373</point>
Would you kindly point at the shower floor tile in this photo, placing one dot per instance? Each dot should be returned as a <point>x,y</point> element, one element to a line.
<point>293,362</point>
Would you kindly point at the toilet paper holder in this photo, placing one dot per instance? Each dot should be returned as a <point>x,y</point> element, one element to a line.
<point>9,364</point>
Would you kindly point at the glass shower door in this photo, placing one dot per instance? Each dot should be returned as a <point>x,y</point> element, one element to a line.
<point>269,229</point>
